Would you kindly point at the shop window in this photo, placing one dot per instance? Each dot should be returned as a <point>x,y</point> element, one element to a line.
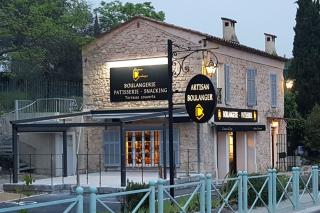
<point>251,88</point>
<point>273,81</point>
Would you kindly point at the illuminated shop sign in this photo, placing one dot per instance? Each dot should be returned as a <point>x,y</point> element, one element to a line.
<point>200,99</point>
<point>139,83</point>
<point>235,115</point>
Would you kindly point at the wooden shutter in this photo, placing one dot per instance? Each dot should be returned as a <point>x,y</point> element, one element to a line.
<point>112,147</point>
<point>273,81</point>
<point>227,84</point>
<point>251,88</point>
<point>176,149</point>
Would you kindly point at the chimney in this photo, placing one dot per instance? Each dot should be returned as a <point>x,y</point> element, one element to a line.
<point>270,44</point>
<point>229,32</point>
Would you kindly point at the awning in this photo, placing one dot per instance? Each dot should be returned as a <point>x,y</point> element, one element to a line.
<point>230,126</point>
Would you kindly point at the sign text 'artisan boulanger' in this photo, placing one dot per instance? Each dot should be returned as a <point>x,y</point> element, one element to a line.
<point>200,99</point>
<point>139,83</point>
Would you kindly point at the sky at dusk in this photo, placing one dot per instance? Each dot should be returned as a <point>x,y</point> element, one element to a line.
<point>254,18</point>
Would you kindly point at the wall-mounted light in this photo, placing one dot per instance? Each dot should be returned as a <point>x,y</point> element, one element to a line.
<point>209,64</point>
<point>289,83</point>
<point>274,124</point>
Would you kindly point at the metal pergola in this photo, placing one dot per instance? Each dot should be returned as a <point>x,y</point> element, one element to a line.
<point>99,118</point>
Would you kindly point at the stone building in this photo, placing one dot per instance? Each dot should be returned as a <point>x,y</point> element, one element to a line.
<point>249,117</point>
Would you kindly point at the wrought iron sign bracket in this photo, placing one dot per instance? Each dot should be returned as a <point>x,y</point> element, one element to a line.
<point>209,59</point>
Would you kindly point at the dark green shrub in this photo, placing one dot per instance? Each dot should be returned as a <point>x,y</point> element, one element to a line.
<point>257,183</point>
<point>131,201</point>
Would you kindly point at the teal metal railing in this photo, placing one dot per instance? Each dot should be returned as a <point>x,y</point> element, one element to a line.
<point>272,192</point>
<point>76,202</point>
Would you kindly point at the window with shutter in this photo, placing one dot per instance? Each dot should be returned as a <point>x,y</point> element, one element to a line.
<point>227,84</point>
<point>176,150</point>
<point>273,81</point>
<point>251,88</point>
<point>112,148</point>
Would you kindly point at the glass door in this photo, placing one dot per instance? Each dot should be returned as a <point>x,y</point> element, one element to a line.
<point>232,153</point>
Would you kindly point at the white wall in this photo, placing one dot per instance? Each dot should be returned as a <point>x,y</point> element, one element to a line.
<point>241,151</point>
<point>251,138</point>
<point>223,150</point>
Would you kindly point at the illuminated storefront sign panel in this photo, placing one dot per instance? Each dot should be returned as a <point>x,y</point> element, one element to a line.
<point>139,83</point>
<point>235,115</point>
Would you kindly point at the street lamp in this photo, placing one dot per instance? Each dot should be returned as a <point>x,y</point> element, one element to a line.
<point>289,83</point>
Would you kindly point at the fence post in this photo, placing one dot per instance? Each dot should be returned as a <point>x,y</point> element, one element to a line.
<point>240,194</point>
<point>152,196</point>
<point>295,187</point>
<point>79,191</point>
<point>202,193</point>
<point>270,190</point>
<point>315,181</point>
<point>92,199</point>
<point>274,190</point>
<point>208,194</point>
<point>160,195</point>
<point>245,191</point>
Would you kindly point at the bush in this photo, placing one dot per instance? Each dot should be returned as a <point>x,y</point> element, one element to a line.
<point>257,183</point>
<point>131,201</point>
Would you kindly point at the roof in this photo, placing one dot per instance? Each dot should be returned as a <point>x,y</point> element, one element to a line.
<point>208,37</point>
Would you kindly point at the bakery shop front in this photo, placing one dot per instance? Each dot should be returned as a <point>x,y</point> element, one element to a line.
<point>236,139</point>
<point>125,77</point>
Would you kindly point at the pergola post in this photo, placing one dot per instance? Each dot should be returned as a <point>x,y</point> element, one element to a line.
<point>123,155</point>
<point>15,153</point>
<point>65,154</point>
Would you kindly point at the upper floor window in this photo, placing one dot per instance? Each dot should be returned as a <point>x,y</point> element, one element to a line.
<point>251,87</point>
<point>273,85</point>
<point>227,84</point>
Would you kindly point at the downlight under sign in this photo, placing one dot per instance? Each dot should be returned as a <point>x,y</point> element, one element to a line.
<point>200,99</point>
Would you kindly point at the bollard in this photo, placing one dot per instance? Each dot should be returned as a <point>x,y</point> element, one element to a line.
<point>92,199</point>
<point>160,195</point>
<point>202,193</point>
<point>245,191</point>
<point>79,191</point>
<point>315,181</point>
<point>152,196</point>
<point>240,194</point>
<point>295,187</point>
<point>208,192</point>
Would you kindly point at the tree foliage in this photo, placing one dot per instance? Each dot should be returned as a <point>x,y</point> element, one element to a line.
<point>312,130</point>
<point>295,123</point>
<point>305,67</point>
<point>114,13</point>
<point>43,35</point>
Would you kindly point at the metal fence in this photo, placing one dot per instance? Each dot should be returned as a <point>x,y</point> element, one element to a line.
<point>271,192</point>
<point>12,89</point>
<point>87,167</point>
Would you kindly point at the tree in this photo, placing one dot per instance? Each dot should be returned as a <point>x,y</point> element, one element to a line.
<point>115,13</point>
<point>305,67</point>
<point>295,123</point>
<point>44,35</point>
<point>312,130</point>
<point>96,26</point>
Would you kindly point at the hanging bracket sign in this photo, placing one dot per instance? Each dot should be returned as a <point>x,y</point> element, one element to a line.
<point>200,99</point>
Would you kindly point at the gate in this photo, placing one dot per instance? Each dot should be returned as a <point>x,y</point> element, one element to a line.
<point>286,157</point>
